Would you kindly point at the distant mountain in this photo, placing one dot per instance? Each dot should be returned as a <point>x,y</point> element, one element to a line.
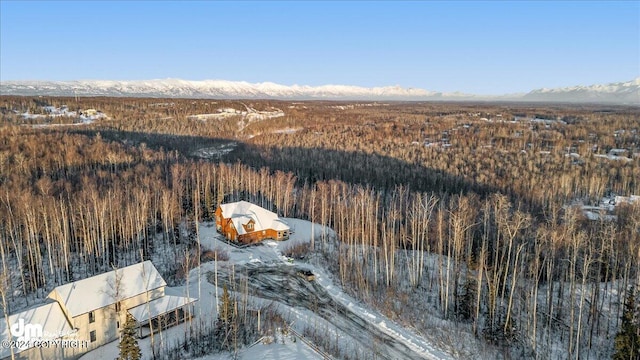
<point>213,89</point>
<point>619,93</point>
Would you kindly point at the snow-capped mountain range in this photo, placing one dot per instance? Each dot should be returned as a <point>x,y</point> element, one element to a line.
<point>618,93</point>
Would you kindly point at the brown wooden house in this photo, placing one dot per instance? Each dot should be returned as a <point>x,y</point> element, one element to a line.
<point>247,223</point>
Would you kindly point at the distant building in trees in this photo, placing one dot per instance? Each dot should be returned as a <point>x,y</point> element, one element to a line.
<point>89,112</point>
<point>247,223</point>
<point>619,200</point>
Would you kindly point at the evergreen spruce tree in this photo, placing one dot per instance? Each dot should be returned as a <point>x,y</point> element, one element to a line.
<point>467,299</point>
<point>129,349</point>
<point>225,320</point>
<point>627,341</point>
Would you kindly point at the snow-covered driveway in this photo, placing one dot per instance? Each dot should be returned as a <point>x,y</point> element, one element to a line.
<point>279,282</point>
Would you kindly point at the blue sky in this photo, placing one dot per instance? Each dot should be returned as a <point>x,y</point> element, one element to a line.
<point>477,47</point>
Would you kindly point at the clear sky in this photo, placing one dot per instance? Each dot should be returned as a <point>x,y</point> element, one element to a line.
<point>492,47</point>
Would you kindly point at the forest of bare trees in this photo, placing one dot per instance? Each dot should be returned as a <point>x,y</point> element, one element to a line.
<point>457,200</point>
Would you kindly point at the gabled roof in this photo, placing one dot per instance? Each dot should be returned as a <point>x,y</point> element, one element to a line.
<point>242,211</point>
<point>48,315</point>
<point>98,291</point>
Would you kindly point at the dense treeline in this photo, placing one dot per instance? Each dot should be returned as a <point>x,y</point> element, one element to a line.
<point>526,161</point>
<point>475,232</point>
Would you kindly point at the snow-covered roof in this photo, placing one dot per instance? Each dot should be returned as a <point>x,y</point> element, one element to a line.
<point>163,305</point>
<point>80,297</point>
<point>49,316</point>
<point>242,211</point>
<point>617,151</point>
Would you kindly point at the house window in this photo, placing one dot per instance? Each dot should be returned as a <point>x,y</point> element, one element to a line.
<point>118,306</point>
<point>92,317</point>
<point>92,335</point>
<point>250,226</point>
<point>118,324</point>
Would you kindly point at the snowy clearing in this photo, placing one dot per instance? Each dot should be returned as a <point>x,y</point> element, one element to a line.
<point>215,151</point>
<point>286,131</point>
<point>246,117</point>
<point>250,114</point>
<point>87,116</point>
<point>274,278</point>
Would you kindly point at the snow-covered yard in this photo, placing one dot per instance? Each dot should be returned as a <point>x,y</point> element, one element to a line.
<point>205,309</point>
<point>265,257</point>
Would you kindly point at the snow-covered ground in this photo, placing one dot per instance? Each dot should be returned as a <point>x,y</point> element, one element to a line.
<point>613,157</point>
<point>246,117</point>
<point>266,252</point>
<point>250,113</point>
<point>83,117</point>
<point>268,257</point>
<point>220,115</point>
<point>277,347</point>
<point>286,131</point>
<point>215,151</point>
<point>52,112</point>
<point>605,210</point>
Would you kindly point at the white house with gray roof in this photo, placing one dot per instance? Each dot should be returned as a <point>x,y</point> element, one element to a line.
<point>95,309</point>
